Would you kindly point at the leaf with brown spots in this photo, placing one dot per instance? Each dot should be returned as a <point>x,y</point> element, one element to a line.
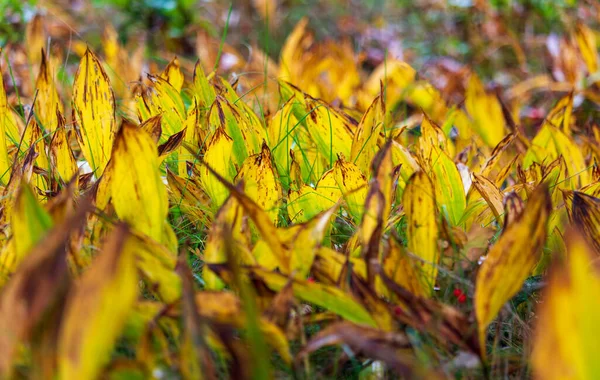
<point>153,126</point>
<point>94,112</point>
<point>510,261</point>
<point>162,99</point>
<point>261,182</point>
<point>490,193</point>
<point>353,186</point>
<point>422,227</point>
<point>172,74</point>
<point>62,158</point>
<point>219,157</point>
<point>172,143</point>
<point>47,103</point>
<point>586,215</point>
<point>138,193</point>
<point>330,129</point>
<point>364,143</point>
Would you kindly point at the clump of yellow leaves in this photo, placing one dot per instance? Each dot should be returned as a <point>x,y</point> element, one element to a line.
<point>351,217</point>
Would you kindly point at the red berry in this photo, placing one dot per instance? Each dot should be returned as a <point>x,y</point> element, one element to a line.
<point>398,310</point>
<point>310,279</point>
<point>457,292</point>
<point>462,298</point>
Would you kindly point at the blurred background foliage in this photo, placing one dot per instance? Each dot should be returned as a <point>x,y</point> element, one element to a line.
<point>505,41</point>
<point>425,28</point>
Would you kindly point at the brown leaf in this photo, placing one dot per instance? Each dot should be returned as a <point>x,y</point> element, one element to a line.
<point>380,345</point>
<point>35,287</point>
<point>172,143</point>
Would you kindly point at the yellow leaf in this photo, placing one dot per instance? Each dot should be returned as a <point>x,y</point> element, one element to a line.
<point>432,142</point>
<point>6,123</point>
<point>260,218</point>
<point>204,93</point>
<point>47,102</point>
<point>489,164</point>
<point>35,36</point>
<point>353,186</point>
<point>292,50</point>
<point>491,194</point>
<point>408,165</point>
<point>304,204</point>
<point>229,216</point>
<point>378,202</point>
<point>173,74</point>
<point>226,308</point>
<point>281,131</point>
<point>422,227</point>
<point>586,41</point>
<point>233,118</point>
<point>406,271</point>
<point>565,344</point>
<point>301,242</point>
<point>157,266</point>
<point>331,130</point>
<point>305,241</point>
<point>261,183</point>
<point>138,193</point>
<point>162,99</point>
<point>549,143</point>
<point>29,223</point>
<point>94,112</point>
<point>218,156</point>
<point>190,198</point>
<point>61,154</point>
<point>364,144</point>
<point>153,126</point>
<point>97,309</point>
<point>486,112</point>
<point>560,114</point>
<point>396,77</point>
<point>510,260</point>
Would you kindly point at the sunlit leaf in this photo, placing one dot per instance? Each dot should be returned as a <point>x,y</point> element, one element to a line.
<point>138,193</point>
<point>94,112</point>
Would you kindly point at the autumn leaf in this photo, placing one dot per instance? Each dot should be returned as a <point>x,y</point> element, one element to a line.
<point>94,111</point>
<point>510,260</point>
<point>97,308</point>
<point>138,193</point>
<point>422,231</point>
<point>569,303</point>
